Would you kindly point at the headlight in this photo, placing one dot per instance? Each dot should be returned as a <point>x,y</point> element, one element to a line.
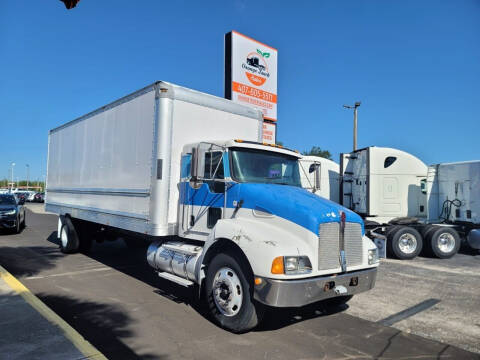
<point>372,256</point>
<point>291,265</point>
<point>10,212</point>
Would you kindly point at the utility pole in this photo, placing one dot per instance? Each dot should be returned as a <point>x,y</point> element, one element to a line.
<point>354,107</point>
<point>28,174</point>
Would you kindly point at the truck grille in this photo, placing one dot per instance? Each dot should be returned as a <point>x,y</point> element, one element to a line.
<point>353,244</point>
<point>329,245</point>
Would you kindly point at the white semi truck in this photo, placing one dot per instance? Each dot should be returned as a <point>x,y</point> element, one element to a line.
<point>227,216</point>
<point>453,198</point>
<point>400,199</point>
<point>321,176</point>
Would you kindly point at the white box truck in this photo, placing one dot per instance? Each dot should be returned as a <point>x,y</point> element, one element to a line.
<point>228,216</point>
<point>390,189</point>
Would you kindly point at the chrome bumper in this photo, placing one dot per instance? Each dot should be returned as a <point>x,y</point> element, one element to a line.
<point>299,292</point>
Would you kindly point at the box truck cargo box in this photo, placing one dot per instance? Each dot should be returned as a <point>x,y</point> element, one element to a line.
<point>120,165</point>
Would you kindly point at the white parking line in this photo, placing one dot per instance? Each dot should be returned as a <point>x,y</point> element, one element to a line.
<point>69,273</point>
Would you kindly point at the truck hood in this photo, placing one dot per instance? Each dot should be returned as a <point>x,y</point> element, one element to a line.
<point>294,204</point>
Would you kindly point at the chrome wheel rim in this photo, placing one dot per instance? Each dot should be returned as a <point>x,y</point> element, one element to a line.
<point>446,242</point>
<point>407,243</point>
<point>227,292</point>
<point>64,236</point>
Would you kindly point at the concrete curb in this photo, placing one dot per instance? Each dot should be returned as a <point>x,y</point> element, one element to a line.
<point>87,349</point>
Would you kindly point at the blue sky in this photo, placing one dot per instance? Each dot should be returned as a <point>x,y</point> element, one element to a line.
<point>415,65</point>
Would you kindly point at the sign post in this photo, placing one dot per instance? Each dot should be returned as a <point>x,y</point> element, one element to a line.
<point>251,77</point>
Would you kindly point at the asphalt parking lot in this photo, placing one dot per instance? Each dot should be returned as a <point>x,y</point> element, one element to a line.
<point>425,308</point>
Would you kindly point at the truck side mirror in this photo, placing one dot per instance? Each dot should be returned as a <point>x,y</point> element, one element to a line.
<point>316,169</point>
<point>198,164</point>
<point>194,165</point>
<point>318,177</point>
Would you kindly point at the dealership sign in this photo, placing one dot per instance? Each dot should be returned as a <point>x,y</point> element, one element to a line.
<point>251,73</point>
<point>269,132</point>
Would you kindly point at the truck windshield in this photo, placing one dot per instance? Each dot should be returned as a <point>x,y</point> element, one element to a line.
<point>268,167</point>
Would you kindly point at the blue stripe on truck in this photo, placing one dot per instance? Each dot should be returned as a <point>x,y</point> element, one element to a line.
<point>288,202</point>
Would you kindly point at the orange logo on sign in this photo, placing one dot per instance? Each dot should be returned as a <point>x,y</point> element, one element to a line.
<point>255,79</point>
<point>256,68</point>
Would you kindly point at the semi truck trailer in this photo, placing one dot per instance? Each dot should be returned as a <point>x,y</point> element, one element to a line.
<point>401,200</point>
<point>222,212</point>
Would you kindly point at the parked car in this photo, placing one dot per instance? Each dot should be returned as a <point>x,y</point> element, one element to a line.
<point>12,213</point>
<point>39,197</point>
<point>30,196</point>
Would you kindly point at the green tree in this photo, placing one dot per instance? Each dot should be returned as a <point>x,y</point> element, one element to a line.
<point>317,151</point>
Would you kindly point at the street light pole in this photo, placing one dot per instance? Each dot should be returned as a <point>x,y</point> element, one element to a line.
<point>354,107</point>
<point>12,165</point>
<point>28,174</point>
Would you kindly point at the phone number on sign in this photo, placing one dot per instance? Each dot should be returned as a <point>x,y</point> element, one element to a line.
<point>247,90</point>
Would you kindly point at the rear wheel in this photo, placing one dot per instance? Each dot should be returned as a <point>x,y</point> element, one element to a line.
<point>443,242</point>
<point>405,242</point>
<point>228,291</point>
<point>69,242</point>
<point>425,231</point>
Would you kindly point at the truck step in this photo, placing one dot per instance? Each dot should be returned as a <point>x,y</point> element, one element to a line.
<point>175,279</point>
<point>348,172</point>
<point>348,181</point>
<point>183,248</point>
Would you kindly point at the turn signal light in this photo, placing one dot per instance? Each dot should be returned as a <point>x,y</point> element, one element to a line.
<point>277,265</point>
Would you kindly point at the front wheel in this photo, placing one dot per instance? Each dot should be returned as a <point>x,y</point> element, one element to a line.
<point>17,225</point>
<point>228,292</point>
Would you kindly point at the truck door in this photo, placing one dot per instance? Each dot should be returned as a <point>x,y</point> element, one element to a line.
<point>205,197</point>
<point>358,176</point>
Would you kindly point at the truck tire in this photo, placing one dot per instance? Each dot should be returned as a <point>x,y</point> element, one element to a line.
<point>24,222</point>
<point>405,242</point>
<point>425,231</point>
<point>69,242</point>
<point>443,242</point>
<point>391,229</point>
<point>229,297</point>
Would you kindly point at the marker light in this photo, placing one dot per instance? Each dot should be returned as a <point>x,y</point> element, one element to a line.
<point>277,265</point>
